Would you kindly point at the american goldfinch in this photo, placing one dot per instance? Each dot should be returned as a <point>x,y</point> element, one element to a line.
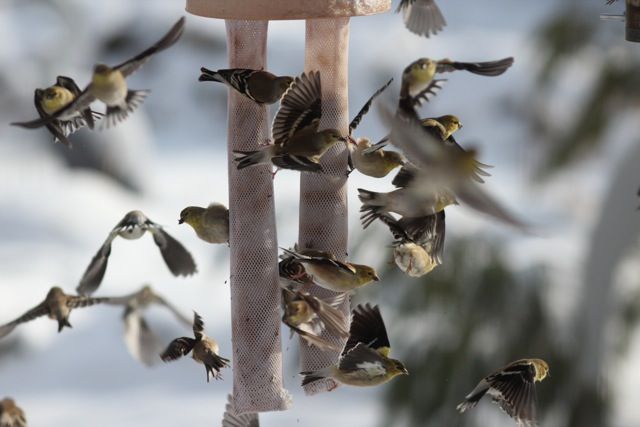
<point>377,164</point>
<point>141,341</point>
<point>513,388</point>
<point>309,317</point>
<point>439,176</point>
<point>419,242</point>
<point>109,85</point>
<point>365,358</point>
<point>298,144</point>
<point>422,17</point>
<point>329,273</point>
<point>232,418</point>
<point>131,227</point>
<point>211,224</point>
<point>420,73</point>
<point>203,349</point>
<point>50,100</point>
<point>258,85</point>
<point>11,415</point>
<point>57,306</point>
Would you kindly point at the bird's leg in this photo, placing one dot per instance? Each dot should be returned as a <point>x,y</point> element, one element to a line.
<point>273,174</point>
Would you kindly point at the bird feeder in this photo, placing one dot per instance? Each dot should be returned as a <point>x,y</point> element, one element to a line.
<point>255,290</point>
<point>631,17</point>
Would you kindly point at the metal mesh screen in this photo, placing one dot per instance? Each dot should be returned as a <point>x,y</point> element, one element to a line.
<point>255,292</point>
<point>323,197</point>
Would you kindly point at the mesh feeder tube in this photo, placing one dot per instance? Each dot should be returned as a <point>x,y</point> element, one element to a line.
<point>255,292</point>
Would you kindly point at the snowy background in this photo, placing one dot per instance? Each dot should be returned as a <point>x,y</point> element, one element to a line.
<point>55,213</point>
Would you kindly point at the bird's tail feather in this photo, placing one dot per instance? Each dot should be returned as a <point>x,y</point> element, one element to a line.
<point>207,75</point>
<point>250,158</point>
<point>62,323</point>
<point>116,114</point>
<point>312,376</point>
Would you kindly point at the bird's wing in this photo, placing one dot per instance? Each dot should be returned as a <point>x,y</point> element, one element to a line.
<point>198,326</point>
<point>361,357</point>
<point>82,301</point>
<point>478,167</point>
<point>233,419</point>
<point>422,17</point>
<point>475,197</point>
<point>69,84</point>
<point>300,108</point>
<point>332,318</point>
<point>306,333</point>
<point>143,344</point>
<point>367,327</point>
<point>426,94</point>
<point>488,68</point>
<point>176,256</point>
<point>82,101</point>
<point>319,258</point>
<point>94,273</point>
<point>178,348</point>
<point>132,65</point>
<point>365,108</point>
<point>38,311</point>
<point>513,388</point>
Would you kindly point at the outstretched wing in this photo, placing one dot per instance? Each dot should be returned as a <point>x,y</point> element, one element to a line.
<point>176,256</point>
<point>233,419</point>
<point>300,108</point>
<point>38,311</point>
<point>367,327</point>
<point>132,65</point>
<point>365,108</point>
<point>178,348</point>
<point>488,68</point>
<point>94,273</point>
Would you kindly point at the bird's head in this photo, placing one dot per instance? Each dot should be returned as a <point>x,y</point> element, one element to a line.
<point>297,312</point>
<point>418,74</point>
<point>51,93</point>
<point>283,83</point>
<point>366,273</point>
<point>450,123</point>
<point>55,291</point>
<point>396,367</point>
<point>190,214</point>
<point>542,369</point>
<point>102,70</point>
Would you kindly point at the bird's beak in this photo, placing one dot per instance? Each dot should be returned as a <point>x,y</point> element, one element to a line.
<point>376,278</point>
<point>405,371</point>
<point>181,221</point>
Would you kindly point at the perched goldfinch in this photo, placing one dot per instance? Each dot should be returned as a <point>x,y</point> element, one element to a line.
<point>11,415</point>
<point>203,349</point>
<point>329,273</point>
<point>259,86</point>
<point>513,388</point>
<point>420,73</point>
<point>298,144</point>
<point>309,317</point>
<point>232,418</point>
<point>141,341</point>
<point>419,242</point>
<point>211,224</point>
<point>109,85</point>
<point>133,226</point>
<point>422,17</point>
<point>376,164</point>
<point>52,99</point>
<point>365,358</point>
<point>57,306</point>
